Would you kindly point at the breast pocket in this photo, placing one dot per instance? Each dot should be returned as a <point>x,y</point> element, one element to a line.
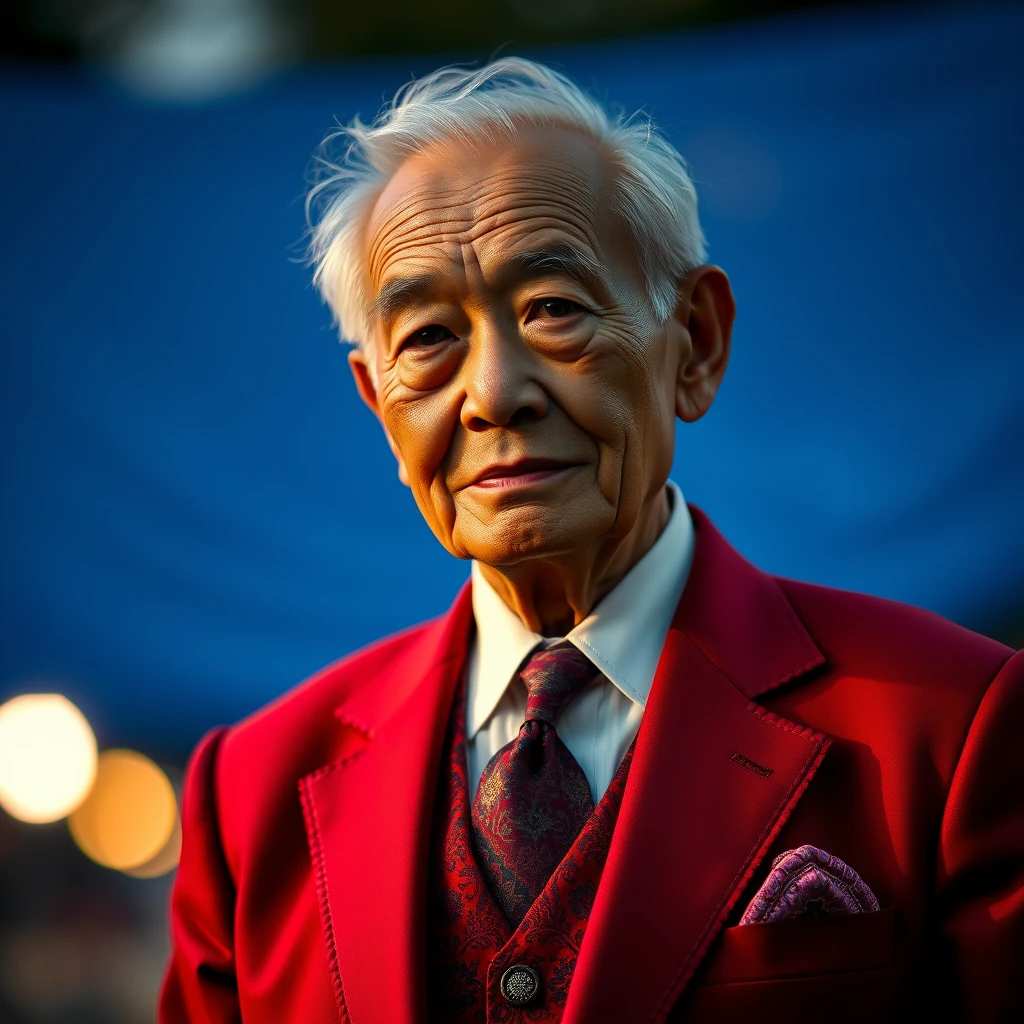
<point>843,966</point>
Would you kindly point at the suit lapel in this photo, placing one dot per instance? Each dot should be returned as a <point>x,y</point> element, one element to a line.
<point>714,777</point>
<point>368,819</point>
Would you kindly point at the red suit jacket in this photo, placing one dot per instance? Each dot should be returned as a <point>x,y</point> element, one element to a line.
<point>883,734</point>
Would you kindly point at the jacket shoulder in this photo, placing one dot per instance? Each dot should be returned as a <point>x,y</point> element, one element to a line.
<point>336,683</point>
<point>879,638</point>
<point>297,732</point>
<point>258,762</point>
<point>895,679</point>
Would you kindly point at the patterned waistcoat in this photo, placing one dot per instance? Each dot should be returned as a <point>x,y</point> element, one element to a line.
<point>470,944</point>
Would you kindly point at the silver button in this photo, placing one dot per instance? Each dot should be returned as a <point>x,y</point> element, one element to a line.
<point>520,984</point>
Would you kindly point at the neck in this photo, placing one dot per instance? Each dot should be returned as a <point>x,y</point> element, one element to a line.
<point>550,596</point>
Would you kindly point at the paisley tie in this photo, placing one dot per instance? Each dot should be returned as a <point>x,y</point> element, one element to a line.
<point>533,798</point>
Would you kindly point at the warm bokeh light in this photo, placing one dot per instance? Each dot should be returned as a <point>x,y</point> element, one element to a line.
<point>47,757</point>
<point>166,860</point>
<point>130,816</point>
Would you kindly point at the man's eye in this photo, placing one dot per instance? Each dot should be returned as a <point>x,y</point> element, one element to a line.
<point>433,334</point>
<point>556,309</point>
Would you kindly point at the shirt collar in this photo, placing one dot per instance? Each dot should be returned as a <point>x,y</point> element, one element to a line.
<point>623,635</point>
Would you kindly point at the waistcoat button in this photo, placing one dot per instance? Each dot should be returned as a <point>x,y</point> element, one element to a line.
<point>520,984</point>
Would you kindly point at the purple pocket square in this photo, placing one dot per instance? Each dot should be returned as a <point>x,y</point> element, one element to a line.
<point>806,882</point>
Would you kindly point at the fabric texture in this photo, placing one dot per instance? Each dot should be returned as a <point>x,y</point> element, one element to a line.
<point>807,882</point>
<point>879,732</point>
<point>470,942</point>
<point>623,635</point>
<point>533,798</point>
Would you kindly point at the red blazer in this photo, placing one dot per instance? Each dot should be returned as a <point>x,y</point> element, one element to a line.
<point>893,739</point>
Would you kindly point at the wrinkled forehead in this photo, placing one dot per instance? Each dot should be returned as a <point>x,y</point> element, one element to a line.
<point>458,204</point>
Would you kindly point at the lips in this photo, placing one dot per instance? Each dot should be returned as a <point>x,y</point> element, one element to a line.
<point>523,470</point>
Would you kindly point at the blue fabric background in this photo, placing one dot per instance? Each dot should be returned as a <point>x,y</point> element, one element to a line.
<point>197,511</point>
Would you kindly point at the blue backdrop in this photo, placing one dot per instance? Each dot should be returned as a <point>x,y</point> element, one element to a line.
<point>197,511</point>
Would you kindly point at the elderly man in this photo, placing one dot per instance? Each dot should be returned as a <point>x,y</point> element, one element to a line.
<point>627,777</point>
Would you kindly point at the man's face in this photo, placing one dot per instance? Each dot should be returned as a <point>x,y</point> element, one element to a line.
<point>517,366</point>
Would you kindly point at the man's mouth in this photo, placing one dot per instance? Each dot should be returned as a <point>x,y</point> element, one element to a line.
<point>521,473</point>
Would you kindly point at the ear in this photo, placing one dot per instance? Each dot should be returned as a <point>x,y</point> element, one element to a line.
<point>706,311</point>
<point>368,393</point>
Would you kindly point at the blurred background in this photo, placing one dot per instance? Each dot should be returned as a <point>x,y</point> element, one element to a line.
<point>195,510</point>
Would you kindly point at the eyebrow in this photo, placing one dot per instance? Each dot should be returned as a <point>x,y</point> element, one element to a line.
<point>401,292</point>
<point>559,257</point>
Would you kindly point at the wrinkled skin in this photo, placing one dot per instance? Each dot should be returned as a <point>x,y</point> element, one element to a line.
<point>510,321</point>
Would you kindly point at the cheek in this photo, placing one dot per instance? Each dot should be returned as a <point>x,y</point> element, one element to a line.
<point>618,400</point>
<point>422,427</point>
<point>652,430</point>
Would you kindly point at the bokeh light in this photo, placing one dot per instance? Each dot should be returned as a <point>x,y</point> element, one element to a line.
<point>165,860</point>
<point>130,816</point>
<point>47,757</point>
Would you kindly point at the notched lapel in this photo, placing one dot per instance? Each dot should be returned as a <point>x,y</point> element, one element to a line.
<point>714,778</point>
<point>368,818</point>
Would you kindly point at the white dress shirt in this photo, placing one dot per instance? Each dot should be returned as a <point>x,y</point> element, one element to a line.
<point>623,636</point>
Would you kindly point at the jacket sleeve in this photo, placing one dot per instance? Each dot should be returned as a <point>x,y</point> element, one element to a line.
<point>980,867</point>
<point>199,986</point>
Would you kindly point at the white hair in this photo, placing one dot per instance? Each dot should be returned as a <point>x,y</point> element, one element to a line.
<point>654,194</point>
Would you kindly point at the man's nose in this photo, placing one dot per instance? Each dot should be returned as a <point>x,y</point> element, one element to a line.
<point>501,390</point>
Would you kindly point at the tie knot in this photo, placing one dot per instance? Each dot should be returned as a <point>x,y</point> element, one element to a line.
<point>553,676</point>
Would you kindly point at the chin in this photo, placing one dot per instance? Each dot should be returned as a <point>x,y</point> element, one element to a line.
<point>530,535</point>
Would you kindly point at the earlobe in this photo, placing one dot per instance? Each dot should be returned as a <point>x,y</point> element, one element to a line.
<point>706,310</point>
<point>368,393</point>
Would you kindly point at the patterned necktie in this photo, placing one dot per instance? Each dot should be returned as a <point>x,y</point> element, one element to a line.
<point>533,798</point>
